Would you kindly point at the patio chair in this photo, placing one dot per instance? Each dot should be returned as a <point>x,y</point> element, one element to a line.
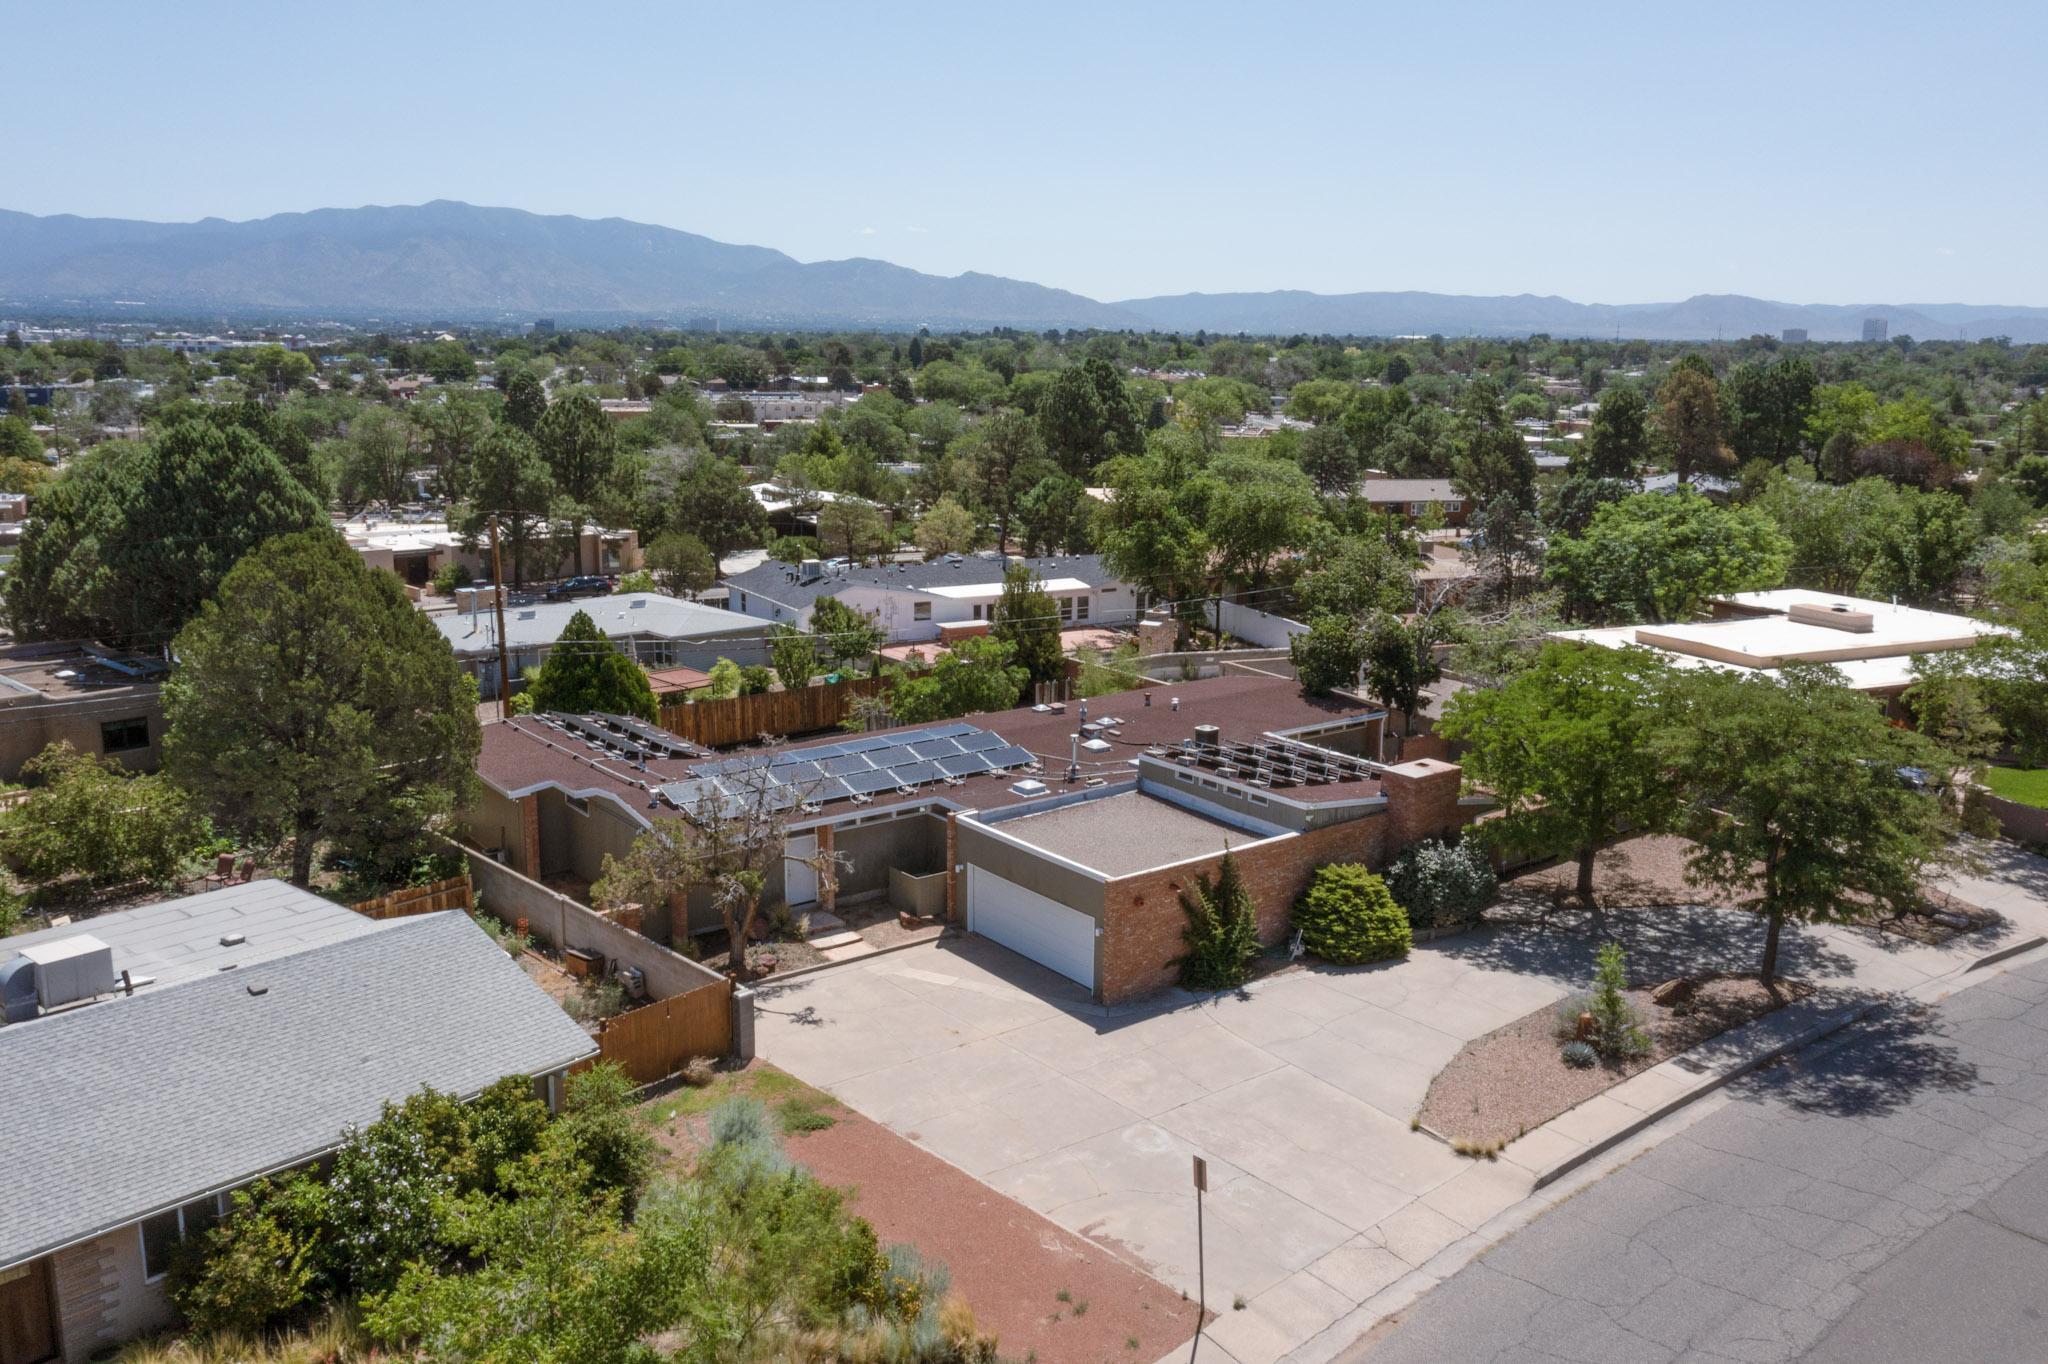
<point>247,871</point>
<point>223,871</point>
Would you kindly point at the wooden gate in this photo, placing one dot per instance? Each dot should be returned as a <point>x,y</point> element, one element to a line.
<point>656,1040</point>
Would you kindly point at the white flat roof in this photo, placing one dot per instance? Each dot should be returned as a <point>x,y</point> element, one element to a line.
<point>991,590</point>
<point>1762,643</point>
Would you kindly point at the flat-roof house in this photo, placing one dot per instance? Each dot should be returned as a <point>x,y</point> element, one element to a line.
<point>98,700</point>
<point>912,601</point>
<point>1066,834</point>
<point>657,630</point>
<point>1411,498</point>
<point>416,550</point>
<point>1871,642</point>
<point>159,1058</point>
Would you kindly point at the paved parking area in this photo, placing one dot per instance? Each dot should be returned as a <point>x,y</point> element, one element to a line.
<point>1298,1091</point>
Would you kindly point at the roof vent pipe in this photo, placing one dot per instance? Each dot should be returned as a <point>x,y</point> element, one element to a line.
<point>1074,757</point>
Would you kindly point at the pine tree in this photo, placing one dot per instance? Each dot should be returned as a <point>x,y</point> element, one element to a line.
<point>585,673</point>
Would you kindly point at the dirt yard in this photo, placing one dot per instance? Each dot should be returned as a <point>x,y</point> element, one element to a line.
<point>1514,1079</point>
<point>1043,1292</point>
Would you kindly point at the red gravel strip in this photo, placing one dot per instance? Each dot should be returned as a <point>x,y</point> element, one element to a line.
<point>1009,1263</point>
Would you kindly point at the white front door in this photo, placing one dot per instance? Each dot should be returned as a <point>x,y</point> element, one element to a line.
<point>799,881</point>
<point>1026,922</point>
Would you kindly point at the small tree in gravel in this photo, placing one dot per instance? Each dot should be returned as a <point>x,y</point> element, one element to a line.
<point>1222,933</point>
<point>1618,1028</point>
<point>1347,916</point>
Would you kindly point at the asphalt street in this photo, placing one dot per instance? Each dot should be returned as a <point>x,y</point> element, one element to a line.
<point>1881,1197</point>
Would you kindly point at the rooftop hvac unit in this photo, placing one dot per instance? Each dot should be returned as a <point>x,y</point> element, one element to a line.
<point>1207,736</point>
<point>18,990</point>
<point>71,969</point>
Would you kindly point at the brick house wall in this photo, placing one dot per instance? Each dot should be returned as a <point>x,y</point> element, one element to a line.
<point>1142,920</point>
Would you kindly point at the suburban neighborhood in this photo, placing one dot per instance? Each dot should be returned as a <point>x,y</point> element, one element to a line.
<point>575,792</point>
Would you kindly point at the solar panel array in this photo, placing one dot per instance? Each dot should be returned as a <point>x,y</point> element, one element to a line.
<point>852,769</point>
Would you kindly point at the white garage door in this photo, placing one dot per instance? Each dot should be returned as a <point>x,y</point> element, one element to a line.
<point>1024,921</point>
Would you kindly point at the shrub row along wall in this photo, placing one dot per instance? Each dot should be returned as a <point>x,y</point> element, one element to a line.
<point>744,719</point>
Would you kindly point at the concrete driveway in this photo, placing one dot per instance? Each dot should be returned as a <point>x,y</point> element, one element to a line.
<point>1298,1091</point>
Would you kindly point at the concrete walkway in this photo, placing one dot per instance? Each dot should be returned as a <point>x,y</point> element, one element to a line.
<point>1299,1092</point>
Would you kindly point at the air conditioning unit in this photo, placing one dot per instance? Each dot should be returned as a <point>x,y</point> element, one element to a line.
<point>71,969</point>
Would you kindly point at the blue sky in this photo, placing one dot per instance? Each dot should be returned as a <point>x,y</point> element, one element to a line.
<point>1811,152</point>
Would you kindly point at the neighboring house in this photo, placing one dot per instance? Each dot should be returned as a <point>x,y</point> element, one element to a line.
<point>1065,834</point>
<point>416,550</point>
<point>1872,642</point>
<point>1411,498</point>
<point>657,630</point>
<point>181,1050</point>
<point>97,700</point>
<point>911,601</point>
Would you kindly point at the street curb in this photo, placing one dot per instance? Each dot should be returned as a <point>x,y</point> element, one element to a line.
<point>2004,953</point>
<point>1831,1023</point>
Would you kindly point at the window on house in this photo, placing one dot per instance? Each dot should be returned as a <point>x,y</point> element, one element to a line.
<point>921,610</point>
<point>1453,505</point>
<point>124,736</point>
<point>743,601</point>
<point>1080,608</point>
<point>162,1233</point>
<point>978,609</point>
<point>1066,609</point>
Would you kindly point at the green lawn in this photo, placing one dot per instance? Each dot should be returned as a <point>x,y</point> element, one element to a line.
<point>2027,785</point>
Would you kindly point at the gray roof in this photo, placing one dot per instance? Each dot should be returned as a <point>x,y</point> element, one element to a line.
<point>1704,484</point>
<point>180,939</point>
<point>1409,490</point>
<point>775,580</point>
<point>620,615</point>
<point>120,1109</point>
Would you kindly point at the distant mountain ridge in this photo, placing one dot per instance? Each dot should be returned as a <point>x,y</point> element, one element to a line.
<point>454,261</point>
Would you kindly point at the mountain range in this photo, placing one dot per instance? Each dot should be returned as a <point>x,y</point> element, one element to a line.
<point>457,262</point>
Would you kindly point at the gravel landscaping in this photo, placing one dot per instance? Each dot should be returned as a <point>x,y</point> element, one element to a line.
<point>1514,1079</point>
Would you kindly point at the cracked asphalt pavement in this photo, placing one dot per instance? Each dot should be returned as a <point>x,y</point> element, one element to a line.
<point>1881,1197</point>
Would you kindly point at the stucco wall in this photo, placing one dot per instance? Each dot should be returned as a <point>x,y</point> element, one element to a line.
<point>25,733</point>
<point>916,843</point>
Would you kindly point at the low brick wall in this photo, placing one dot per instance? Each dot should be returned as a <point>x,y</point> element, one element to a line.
<point>1143,921</point>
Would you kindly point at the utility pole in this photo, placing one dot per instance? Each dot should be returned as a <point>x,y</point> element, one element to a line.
<point>498,601</point>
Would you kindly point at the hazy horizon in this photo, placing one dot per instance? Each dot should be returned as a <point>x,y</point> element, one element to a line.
<point>1830,153</point>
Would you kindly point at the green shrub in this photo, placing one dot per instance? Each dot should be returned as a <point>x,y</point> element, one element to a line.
<point>450,576</point>
<point>1580,1055</point>
<point>1348,917</point>
<point>1222,935</point>
<point>600,1128</point>
<point>254,1267</point>
<point>740,1120</point>
<point>85,816</point>
<point>387,1198</point>
<point>1440,883</point>
<point>756,678</point>
<point>1618,1028</point>
<point>506,1125</point>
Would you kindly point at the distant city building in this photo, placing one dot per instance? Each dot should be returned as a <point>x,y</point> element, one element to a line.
<point>1874,328</point>
<point>702,324</point>
<point>1792,336</point>
<point>544,325</point>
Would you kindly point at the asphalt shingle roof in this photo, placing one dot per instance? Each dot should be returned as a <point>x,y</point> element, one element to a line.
<point>773,579</point>
<point>120,1109</point>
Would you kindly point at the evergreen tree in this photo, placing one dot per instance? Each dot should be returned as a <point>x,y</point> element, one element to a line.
<point>585,673</point>
<point>314,705</point>
<point>1026,618</point>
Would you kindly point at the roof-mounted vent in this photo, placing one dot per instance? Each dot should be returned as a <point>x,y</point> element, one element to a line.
<point>1028,787</point>
<point>233,939</point>
<point>1838,616</point>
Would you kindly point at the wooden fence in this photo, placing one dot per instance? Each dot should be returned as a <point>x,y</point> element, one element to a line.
<point>744,719</point>
<point>453,893</point>
<point>654,1041</point>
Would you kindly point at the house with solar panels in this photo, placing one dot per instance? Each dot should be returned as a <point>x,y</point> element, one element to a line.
<point>915,602</point>
<point>1064,832</point>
